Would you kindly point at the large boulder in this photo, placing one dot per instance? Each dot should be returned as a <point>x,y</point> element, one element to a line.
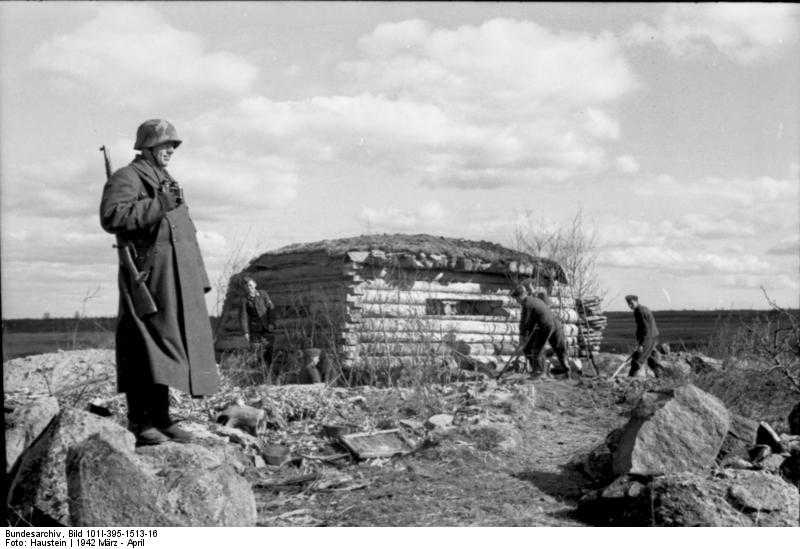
<point>166,485</point>
<point>107,485</point>
<point>731,498</point>
<point>84,470</point>
<point>38,491</point>
<point>740,438</point>
<point>735,498</point>
<point>24,425</point>
<point>674,367</point>
<point>672,431</point>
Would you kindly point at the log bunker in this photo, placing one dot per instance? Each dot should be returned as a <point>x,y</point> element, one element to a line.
<point>377,305</point>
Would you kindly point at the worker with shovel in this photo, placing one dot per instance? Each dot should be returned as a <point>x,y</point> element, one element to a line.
<point>537,327</point>
<point>646,339</point>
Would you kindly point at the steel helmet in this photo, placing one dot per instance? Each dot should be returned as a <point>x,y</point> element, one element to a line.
<point>155,132</point>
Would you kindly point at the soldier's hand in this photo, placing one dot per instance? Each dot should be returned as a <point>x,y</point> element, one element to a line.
<point>168,201</point>
<point>247,337</point>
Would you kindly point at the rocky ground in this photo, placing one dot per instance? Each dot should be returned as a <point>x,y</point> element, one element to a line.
<point>479,452</point>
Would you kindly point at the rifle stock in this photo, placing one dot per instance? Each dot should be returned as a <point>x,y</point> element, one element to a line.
<point>143,302</point>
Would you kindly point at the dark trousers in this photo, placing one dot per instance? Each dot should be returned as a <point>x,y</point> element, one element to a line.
<point>534,350</point>
<point>148,406</point>
<point>262,344</point>
<point>646,356</point>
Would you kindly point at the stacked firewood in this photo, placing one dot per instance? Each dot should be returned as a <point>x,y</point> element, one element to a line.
<point>592,323</point>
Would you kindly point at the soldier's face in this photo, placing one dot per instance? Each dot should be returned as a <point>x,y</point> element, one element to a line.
<point>251,287</point>
<point>162,153</point>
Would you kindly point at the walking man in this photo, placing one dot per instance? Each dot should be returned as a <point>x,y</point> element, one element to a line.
<point>172,346</point>
<point>537,327</point>
<point>646,339</point>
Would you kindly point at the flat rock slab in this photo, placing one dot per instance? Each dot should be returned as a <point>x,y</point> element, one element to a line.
<point>378,444</point>
<point>672,432</point>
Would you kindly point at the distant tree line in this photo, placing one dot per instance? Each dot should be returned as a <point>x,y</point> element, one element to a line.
<point>66,324</point>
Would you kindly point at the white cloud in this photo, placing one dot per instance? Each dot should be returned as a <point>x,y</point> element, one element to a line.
<point>503,103</point>
<point>429,216</point>
<point>716,226</point>
<point>760,200</point>
<point>130,55</point>
<point>627,164</point>
<point>600,125</point>
<point>770,282</point>
<point>686,262</point>
<point>233,185</point>
<point>744,32</point>
<point>789,246</point>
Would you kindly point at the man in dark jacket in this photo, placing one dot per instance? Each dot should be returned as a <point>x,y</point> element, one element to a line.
<point>173,347</point>
<point>255,318</point>
<point>646,339</point>
<point>537,326</point>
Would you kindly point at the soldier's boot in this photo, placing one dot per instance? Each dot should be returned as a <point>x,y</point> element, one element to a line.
<point>636,371</point>
<point>176,434</point>
<point>140,422</point>
<point>149,436</point>
<point>539,369</point>
<point>159,409</point>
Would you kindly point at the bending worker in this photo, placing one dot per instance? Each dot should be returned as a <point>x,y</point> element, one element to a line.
<point>646,339</point>
<point>537,327</point>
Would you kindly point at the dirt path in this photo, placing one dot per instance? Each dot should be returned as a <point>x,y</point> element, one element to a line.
<point>457,484</point>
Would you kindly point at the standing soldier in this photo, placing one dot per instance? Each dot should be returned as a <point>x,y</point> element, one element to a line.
<point>168,344</point>
<point>255,318</point>
<point>537,327</point>
<point>646,339</point>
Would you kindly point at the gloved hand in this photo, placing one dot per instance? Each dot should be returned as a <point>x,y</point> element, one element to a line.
<point>168,200</point>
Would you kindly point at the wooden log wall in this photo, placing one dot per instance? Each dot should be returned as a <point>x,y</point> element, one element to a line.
<point>379,316</point>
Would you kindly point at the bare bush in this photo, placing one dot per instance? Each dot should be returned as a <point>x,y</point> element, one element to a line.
<point>769,340</point>
<point>573,246</point>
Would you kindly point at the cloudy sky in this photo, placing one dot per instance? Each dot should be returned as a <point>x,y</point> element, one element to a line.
<point>674,128</point>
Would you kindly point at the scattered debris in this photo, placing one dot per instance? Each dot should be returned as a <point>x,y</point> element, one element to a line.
<point>243,417</point>
<point>275,454</point>
<point>439,421</point>
<point>380,444</point>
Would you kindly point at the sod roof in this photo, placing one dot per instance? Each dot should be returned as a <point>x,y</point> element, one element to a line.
<point>476,250</point>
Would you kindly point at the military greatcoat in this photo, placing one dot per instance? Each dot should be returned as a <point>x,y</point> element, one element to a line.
<point>173,346</point>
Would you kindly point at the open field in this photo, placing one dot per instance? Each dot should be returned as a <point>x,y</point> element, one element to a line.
<point>27,343</point>
<point>683,330</point>
<point>691,330</point>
